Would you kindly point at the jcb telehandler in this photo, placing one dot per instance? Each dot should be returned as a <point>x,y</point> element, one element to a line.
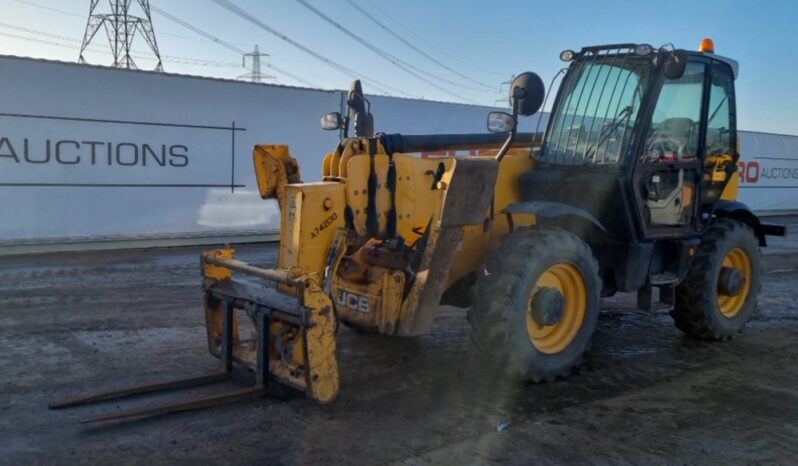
<point>631,187</point>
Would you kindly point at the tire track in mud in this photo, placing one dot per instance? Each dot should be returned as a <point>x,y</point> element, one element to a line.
<point>401,398</point>
<point>711,415</point>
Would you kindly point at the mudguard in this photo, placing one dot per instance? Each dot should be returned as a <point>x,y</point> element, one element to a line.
<point>739,211</point>
<point>547,209</point>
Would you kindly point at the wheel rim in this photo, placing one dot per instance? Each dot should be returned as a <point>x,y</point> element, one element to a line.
<point>557,337</point>
<point>730,305</point>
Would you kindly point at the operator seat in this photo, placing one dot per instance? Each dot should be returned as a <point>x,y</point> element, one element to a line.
<point>680,132</point>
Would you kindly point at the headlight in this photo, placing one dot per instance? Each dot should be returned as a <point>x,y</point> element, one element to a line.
<point>643,49</point>
<point>567,55</point>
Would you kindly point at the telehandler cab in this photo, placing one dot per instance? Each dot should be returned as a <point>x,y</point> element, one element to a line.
<point>631,187</point>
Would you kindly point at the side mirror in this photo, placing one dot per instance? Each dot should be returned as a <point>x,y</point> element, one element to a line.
<point>332,121</point>
<point>675,64</point>
<point>500,122</point>
<point>526,93</point>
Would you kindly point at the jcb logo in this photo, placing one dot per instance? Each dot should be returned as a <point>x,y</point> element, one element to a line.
<point>353,301</point>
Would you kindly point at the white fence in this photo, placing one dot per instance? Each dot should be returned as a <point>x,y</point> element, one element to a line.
<point>769,172</point>
<point>101,155</point>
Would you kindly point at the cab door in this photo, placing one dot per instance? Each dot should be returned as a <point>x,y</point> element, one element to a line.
<point>720,140</point>
<point>668,171</point>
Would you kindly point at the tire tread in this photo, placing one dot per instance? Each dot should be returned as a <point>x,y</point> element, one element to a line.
<point>492,295</point>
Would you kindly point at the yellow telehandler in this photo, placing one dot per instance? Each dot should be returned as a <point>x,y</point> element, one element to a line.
<point>631,187</point>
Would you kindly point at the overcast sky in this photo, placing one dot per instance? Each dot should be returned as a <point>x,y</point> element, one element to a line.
<point>458,50</point>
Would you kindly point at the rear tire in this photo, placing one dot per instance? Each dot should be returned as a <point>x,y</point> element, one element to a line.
<point>702,309</point>
<point>504,298</point>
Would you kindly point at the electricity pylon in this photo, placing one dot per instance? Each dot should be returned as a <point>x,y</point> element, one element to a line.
<point>121,26</point>
<point>255,75</point>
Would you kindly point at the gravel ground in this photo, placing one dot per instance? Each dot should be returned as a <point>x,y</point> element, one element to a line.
<point>645,395</point>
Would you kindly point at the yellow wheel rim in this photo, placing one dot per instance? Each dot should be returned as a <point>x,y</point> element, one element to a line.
<point>730,305</point>
<point>569,281</point>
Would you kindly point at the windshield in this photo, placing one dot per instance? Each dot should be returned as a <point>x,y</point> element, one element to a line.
<point>593,118</point>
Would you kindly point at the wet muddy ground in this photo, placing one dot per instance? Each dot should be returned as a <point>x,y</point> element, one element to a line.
<point>71,323</point>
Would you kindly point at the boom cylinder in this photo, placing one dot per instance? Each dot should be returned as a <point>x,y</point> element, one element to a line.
<point>438,142</point>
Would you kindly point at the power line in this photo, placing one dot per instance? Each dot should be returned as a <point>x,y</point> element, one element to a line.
<point>134,53</point>
<point>43,7</point>
<point>69,13</point>
<point>291,75</point>
<point>41,33</point>
<point>173,59</point>
<point>412,46</point>
<point>226,4</point>
<point>429,43</point>
<point>403,65</point>
<point>228,45</point>
<point>167,58</point>
<point>170,58</point>
<point>197,30</point>
<point>40,41</point>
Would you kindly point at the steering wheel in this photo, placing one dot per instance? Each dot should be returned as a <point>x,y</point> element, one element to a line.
<point>664,149</point>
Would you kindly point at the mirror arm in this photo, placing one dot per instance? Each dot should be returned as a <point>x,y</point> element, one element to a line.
<point>510,137</point>
<point>506,146</point>
<point>345,127</point>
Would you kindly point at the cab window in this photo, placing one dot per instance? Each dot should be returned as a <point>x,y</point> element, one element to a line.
<point>720,144</point>
<point>675,123</point>
<point>673,136</point>
<point>719,134</point>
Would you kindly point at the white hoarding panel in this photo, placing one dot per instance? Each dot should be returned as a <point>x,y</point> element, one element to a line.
<point>91,152</point>
<point>769,171</point>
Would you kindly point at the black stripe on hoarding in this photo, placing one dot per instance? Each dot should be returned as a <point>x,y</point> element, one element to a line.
<point>777,158</point>
<point>120,122</point>
<point>233,159</point>
<point>120,185</point>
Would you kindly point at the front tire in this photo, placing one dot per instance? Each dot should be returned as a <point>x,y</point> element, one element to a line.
<point>536,303</point>
<point>712,303</point>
